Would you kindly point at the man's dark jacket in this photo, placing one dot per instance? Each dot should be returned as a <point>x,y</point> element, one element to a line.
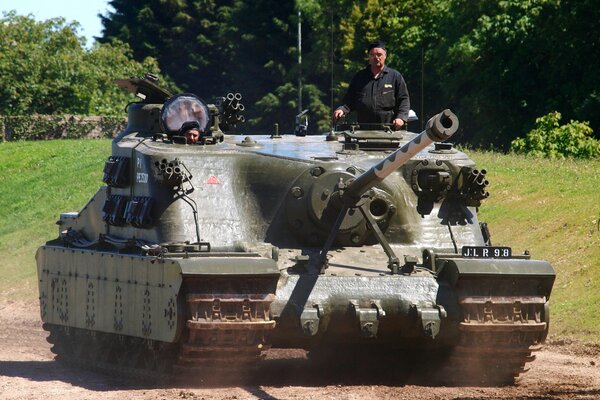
<point>378,100</point>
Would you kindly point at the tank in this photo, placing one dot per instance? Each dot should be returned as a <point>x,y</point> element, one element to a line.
<point>203,250</point>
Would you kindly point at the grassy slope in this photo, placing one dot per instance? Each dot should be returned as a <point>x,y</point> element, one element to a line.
<point>551,208</point>
<point>38,180</point>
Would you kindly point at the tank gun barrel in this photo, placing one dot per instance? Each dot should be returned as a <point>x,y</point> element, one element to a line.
<point>440,127</point>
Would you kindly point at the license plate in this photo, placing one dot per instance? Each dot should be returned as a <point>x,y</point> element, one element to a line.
<point>486,252</point>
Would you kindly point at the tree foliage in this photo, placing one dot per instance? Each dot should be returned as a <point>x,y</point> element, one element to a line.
<point>188,38</point>
<point>499,64</point>
<point>503,63</point>
<point>46,69</point>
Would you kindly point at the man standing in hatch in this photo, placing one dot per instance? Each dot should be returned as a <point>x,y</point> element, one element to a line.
<point>377,93</point>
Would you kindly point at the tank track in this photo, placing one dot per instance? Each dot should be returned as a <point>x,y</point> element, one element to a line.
<point>225,332</point>
<point>497,338</point>
<point>118,355</point>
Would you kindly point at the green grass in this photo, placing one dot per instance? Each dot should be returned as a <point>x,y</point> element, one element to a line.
<point>549,207</point>
<point>38,180</point>
<point>552,209</point>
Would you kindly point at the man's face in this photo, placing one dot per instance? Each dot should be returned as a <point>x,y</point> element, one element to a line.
<point>377,57</point>
<point>192,135</point>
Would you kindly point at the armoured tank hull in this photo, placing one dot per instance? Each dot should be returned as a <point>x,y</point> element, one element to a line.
<point>207,255</point>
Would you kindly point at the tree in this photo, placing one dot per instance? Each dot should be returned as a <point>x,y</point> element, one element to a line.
<point>212,47</point>
<point>188,38</point>
<point>503,63</point>
<point>46,69</point>
<point>497,63</point>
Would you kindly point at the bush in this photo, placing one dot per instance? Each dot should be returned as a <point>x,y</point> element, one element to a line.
<point>550,139</point>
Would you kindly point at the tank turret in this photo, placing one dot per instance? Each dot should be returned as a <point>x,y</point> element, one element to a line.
<point>204,249</point>
<point>354,193</point>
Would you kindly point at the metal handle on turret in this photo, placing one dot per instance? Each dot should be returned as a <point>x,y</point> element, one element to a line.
<point>440,127</point>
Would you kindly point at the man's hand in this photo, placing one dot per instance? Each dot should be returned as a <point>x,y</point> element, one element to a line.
<point>337,114</point>
<point>398,123</point>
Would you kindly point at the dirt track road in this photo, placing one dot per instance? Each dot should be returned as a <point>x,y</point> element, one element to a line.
<point>28,371</point>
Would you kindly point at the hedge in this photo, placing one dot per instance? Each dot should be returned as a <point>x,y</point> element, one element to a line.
<point>46,127</point>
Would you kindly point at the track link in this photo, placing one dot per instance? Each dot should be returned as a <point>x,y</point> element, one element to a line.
<point>117,355</point>
<point>226,329</point>
<point>497,338</point>
<point>224,333</point>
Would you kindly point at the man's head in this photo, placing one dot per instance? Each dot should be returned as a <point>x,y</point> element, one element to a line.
<point>377,54</point>
<point>192,135</point>
<point>190,130</point>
